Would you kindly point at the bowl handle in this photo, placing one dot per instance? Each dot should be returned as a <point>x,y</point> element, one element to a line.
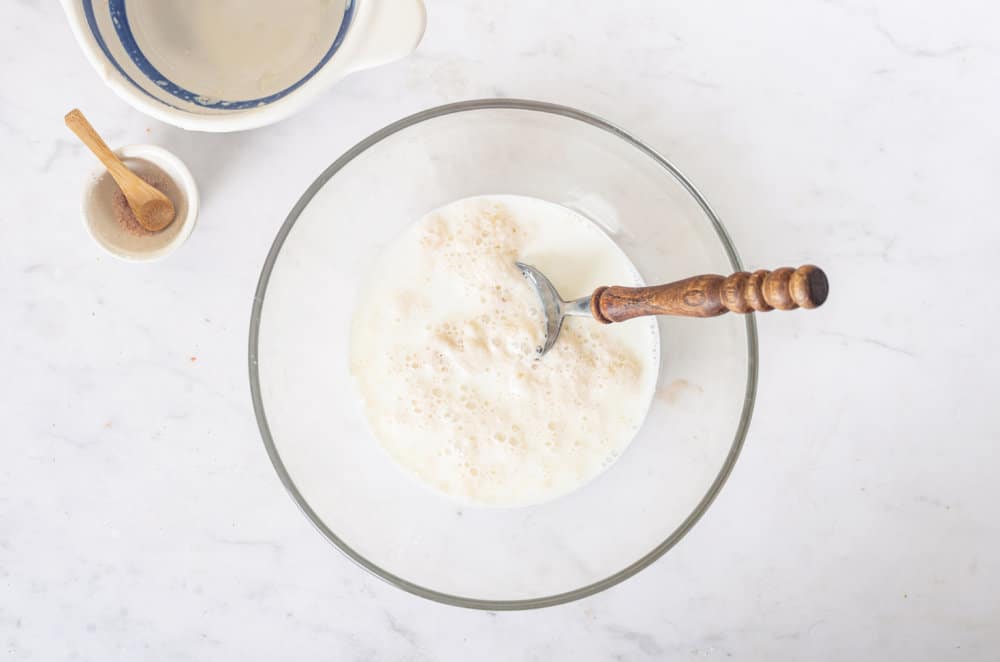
<point>391,30</point>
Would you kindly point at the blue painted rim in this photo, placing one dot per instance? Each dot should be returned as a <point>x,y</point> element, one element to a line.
<point>119,19</point>
<point>88,12</point>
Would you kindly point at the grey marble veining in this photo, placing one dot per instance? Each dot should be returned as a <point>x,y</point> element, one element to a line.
<point>140,518</point>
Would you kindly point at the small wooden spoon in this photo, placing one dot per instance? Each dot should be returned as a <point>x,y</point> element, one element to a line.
<point>151,207</point>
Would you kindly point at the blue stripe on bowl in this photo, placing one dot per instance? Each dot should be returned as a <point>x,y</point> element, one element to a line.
<point>88,12</point>
<point>119,18</point>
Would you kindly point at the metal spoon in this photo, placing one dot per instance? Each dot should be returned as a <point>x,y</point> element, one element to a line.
<point>699,296</point>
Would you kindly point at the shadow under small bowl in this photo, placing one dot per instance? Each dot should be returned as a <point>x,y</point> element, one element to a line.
<point>98,210</point>
<point>311,418</point>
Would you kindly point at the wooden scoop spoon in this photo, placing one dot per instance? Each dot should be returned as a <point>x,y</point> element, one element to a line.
<point>151,207</point>
<point>699,296</point>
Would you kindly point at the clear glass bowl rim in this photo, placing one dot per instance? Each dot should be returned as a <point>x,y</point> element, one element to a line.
<point>286,479</point>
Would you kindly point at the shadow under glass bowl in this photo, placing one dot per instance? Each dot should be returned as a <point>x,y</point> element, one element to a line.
<point>311,419</point>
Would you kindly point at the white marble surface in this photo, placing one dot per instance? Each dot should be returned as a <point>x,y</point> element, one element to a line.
<point>140,518</point>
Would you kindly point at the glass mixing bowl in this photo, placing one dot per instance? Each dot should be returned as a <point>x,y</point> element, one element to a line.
<point>312,421</point>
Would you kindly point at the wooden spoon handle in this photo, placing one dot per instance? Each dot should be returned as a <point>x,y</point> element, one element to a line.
<point>79,125</point>
<point>711,295</point>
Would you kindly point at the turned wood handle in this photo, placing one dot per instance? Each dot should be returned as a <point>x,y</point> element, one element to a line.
<point>711,295</point>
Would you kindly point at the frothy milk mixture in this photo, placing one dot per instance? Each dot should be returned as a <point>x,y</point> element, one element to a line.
<point>443,353</point>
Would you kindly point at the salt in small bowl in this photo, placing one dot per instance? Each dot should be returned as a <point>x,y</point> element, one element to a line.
<point>99,216</point>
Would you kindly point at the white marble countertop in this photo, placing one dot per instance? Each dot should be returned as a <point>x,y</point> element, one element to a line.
<point>140,517</point>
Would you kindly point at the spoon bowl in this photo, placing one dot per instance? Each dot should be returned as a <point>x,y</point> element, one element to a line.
<point>553,307</point>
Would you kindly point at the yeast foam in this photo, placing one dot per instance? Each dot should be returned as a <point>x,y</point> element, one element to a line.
<point>443,353</point>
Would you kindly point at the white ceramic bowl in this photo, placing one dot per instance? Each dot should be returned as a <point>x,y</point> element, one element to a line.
<point>230,65</point>
<point>100,221</point>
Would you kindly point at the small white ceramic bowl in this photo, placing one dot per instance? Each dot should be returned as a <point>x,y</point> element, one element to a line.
<point>98,211</point>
